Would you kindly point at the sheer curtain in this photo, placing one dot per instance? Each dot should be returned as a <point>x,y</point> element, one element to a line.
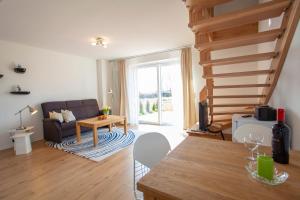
<point>132,93</point>
<point>189,108</point>
<point>123,88</point>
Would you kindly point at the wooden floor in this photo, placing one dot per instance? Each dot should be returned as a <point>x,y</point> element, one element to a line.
<point>53,174</point>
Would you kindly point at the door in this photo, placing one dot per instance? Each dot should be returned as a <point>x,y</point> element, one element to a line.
<point>171,102</point>
<point>160,93</point>
<point>148,94</point>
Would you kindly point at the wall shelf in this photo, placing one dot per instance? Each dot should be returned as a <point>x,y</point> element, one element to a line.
<point>19,69</point>
<point>20,92</point>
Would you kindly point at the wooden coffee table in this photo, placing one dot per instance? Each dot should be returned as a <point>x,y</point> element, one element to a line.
<point>94,123</point>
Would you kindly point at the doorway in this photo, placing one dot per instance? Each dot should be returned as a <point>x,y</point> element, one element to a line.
<point>160,93</point>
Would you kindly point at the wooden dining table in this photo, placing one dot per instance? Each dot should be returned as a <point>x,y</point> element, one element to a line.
<point>201,168</point>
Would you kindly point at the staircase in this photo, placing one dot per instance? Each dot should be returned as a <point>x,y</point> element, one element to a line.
<point>236,29</point>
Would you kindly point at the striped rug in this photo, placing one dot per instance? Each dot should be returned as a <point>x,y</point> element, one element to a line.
<point>109,143</point>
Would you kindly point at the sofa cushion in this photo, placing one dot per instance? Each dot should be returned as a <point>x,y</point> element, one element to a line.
<point>56,106</point>
<point>68,115</point>
<point>56,116</point>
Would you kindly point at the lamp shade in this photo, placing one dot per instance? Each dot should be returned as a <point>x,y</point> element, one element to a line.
<point>32,110</point>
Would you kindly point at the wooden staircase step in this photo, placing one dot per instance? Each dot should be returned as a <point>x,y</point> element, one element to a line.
<point>239,59</point>
<point>245,16</point>
<point>239,74</point>
<point>237,105</point>
<point>226,125</point>
<point>238,96</point>
<point>240,86</point>
<point>203,3</point>
<point>234,112</point>
<point>233,32</point>
<point>223,120</point>
<point>261,37</point>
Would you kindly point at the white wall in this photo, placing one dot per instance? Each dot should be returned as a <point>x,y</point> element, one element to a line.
<point>50,76</point>
<point>286,93</point>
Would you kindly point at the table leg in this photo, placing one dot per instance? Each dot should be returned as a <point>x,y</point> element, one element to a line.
<point>110,127</point>
<point>125,125</point>
<point>78,133</point>
<point>95,133</point>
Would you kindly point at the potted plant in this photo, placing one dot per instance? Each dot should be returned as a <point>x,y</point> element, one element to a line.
<point>105,111</point>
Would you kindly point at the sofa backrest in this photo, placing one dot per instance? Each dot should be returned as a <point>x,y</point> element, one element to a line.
<point>81,109</point>
<point>56,106</point>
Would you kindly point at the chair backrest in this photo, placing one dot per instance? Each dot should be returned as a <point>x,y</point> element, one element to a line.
<point>150,148</point>
<point>254,129</point>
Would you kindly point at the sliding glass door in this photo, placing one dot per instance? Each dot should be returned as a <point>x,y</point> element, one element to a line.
<point>148,95</point>
<point>171,102</point>
<point>160,93</point>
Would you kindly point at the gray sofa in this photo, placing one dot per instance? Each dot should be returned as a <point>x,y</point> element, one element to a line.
<point>54,130</point>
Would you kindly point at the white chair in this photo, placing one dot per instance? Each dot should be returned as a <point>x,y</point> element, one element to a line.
<point>148,150</point>
<point>255,130</point>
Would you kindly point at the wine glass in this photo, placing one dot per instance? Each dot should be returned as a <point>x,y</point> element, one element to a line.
<point>258,140</point>
<point>251,145</point>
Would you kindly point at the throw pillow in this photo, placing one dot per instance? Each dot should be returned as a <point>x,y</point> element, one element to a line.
<point>68,115</point>
<point>56,116</point>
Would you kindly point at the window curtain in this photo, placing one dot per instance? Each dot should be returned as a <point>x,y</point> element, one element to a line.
<point>123,88</point>
<point>189,108</point>
<point>133,93</point>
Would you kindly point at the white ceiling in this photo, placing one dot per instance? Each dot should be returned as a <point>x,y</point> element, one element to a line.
<point>133,27</point>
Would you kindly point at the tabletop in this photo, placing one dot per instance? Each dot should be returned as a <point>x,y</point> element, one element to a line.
<point>201,168</point>
<point>97,121</point>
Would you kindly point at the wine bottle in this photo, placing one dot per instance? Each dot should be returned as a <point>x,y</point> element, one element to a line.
<point>281,139</point>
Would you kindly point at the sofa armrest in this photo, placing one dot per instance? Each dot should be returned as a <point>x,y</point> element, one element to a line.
<point>52,130</point>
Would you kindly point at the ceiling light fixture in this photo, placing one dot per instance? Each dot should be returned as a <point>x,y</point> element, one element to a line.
<point>100,42</point>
